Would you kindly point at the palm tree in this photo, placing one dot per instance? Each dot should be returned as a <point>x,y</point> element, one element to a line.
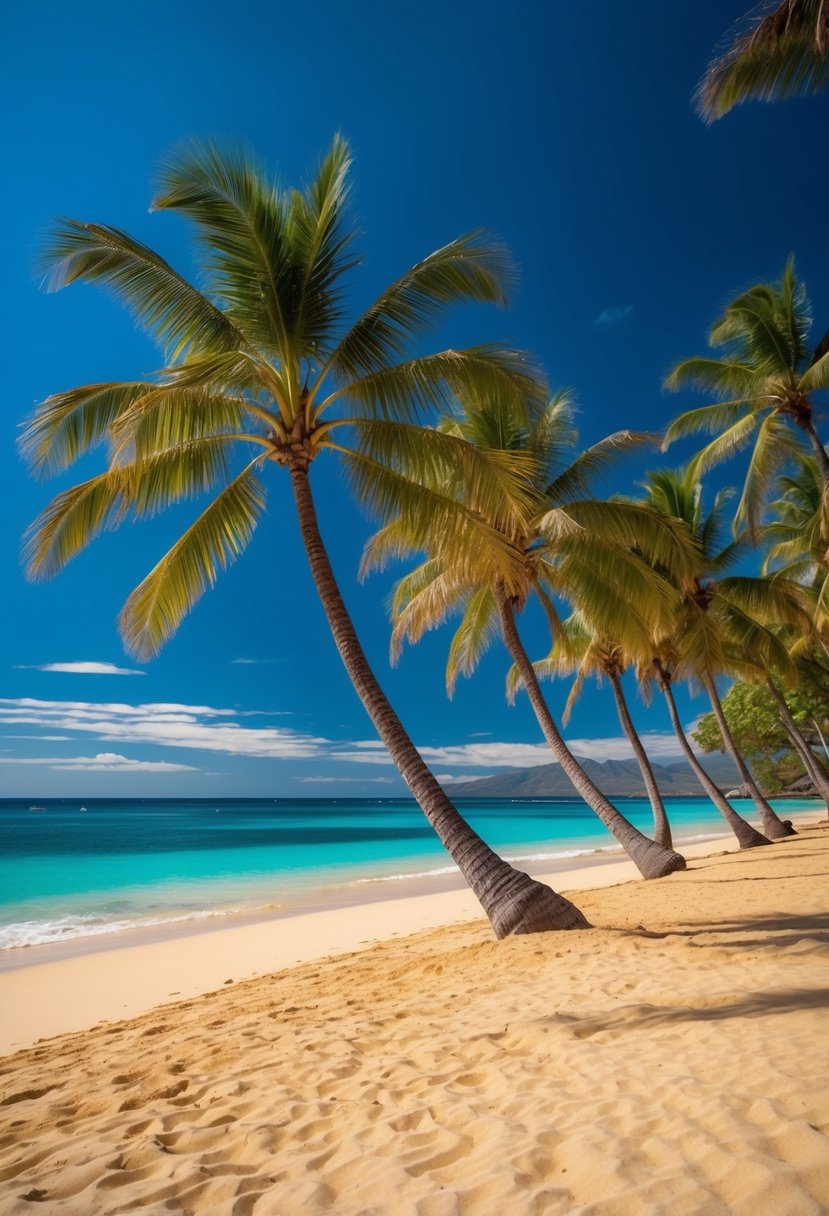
<point>723,617</point>
<point>584,655</point>
<point>764,382</point>
<point>259,361</point>
<point>783,53</point>
<point>596,537</point>
<point>661,669</point>
<point>799,534</point>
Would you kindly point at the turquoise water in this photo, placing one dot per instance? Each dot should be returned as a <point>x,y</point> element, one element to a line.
<point>69,870</point>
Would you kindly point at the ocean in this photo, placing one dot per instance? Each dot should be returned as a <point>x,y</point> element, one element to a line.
<point>72,870</point>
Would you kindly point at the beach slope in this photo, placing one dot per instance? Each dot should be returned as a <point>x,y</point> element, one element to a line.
<point>671,1059</point>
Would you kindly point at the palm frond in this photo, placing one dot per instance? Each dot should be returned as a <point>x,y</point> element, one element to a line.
<point>156,607</point>
<point>473,637</point>
<point>784,53</point>
<point>473,267</point>
<point>316,231</point>
<point>71,521</point>
<point>175,314</point>
<point>579,478</point>
<point>725,378</point>
<point>247,256</point>
<point>419,388</point>
<point>732,440</point>
<point>772,448</point>
<point>706,418</point>
<point>67,425</point>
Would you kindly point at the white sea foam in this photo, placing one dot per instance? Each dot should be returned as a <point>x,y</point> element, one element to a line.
<point>559,855</point>
<point>66,928</point>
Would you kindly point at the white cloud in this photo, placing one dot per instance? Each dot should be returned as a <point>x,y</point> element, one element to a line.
<point>211,729</point>
<point>347,781</point>
<point>252,662</point>
<point>82,669</point>
<point>104,762</point>
<point>612,316</point>
<point>201,727</point>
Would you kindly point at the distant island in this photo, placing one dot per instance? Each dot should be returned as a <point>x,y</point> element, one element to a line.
<point>615,778</point>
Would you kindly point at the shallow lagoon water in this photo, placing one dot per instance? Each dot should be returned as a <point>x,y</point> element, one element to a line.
<point>70,870</point>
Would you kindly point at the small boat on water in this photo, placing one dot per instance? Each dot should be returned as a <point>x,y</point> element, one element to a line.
<point>82,809</point>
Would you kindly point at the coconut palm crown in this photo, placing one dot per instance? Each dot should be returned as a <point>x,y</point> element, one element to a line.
<point>572,545</point>
<point>783,52</point>
<point>262,372</point>
<point>764,383</point>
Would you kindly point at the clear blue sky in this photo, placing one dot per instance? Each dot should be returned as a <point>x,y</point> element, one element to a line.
<point>566,129</point>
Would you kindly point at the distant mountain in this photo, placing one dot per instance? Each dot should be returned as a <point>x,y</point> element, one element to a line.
<point>616,778</point>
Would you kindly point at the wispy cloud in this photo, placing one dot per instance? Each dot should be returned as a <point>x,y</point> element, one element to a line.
<point>347,781</point>
<point>202,727</point>
<point>613,316</point>
<point>252,662</point>
<point>207,728</point>
<point>82,669</point>
<point>103,762</point>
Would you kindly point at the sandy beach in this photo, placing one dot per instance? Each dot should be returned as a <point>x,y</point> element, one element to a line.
<point>671,1059</point>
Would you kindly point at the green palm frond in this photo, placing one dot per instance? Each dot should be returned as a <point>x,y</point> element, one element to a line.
<point>816,376</point>
<point>767,601</point>
<point>725,378</point>
<point>661,540</point>
<point>579,477</point>
<point>497,484</point>
<point>67,425</point>
<point>422,601</point>
<point>176,315</point>
<point>478,628</point>
<point>420,387</point>
<point>71,520</point>
<point>471,268</point>
<point>784,53</point>
<point>773,446</point>
<point>316,231</point>
<point>425,512</point>
<point>248,260</point>
<point>732,440</point>
<point>156,607</point>
<point>171,415</point>
<point>706,419</point>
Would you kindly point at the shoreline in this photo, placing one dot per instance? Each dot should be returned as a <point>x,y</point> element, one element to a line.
<point>74,986</point>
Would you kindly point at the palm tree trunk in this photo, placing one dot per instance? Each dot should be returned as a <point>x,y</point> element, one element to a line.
<point>773,826</point>
<point>747,836</point>
<point>819,450</point>
<point>514,902</point>
<point>813,768</point>
<point>661,826</point>
<point>652,859</point>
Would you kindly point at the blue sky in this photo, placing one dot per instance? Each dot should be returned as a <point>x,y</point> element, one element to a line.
<point>567,130</point>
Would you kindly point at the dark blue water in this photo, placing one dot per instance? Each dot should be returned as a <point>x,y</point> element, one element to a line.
<point>70,870</point>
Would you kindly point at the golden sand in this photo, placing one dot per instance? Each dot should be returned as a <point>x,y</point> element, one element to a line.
<point>673,1059</point>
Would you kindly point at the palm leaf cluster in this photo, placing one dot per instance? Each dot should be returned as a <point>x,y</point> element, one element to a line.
<point>783,52</point>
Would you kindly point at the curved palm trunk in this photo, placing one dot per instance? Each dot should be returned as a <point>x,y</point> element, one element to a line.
<point>747,836</point>
<point>773,826</point>
<point>661,826</point>
<point>813,768</point>
<point>819,451</point>
<point>514,902</point>
<point>653,860</point>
